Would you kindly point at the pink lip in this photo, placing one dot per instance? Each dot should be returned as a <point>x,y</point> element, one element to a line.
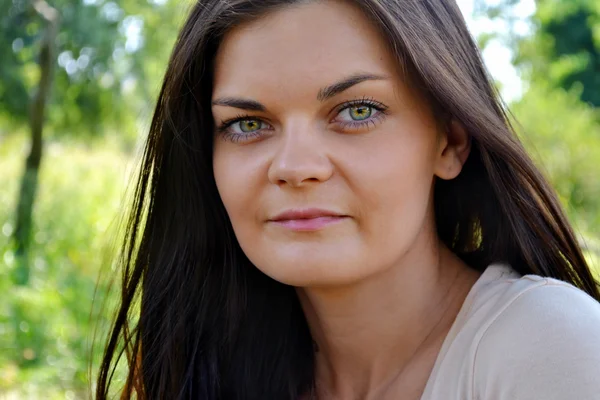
<point>307,219</point>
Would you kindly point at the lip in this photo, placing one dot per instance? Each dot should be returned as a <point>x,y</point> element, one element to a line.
<point>309,219</point>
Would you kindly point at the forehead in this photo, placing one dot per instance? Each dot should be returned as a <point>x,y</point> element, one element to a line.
<point>304,46</point>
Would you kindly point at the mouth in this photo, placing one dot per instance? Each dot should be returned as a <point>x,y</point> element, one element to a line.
<point>306,220</point>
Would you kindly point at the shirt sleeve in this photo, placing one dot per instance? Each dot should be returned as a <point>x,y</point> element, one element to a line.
<point>544,345</point>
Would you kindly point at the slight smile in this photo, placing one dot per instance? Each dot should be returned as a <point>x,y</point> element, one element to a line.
<point>307,220</point>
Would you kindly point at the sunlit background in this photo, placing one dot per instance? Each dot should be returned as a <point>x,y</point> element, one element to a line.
<point>78,79</point>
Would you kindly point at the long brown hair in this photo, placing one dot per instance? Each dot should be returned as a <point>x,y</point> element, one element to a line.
<point>209,324</point>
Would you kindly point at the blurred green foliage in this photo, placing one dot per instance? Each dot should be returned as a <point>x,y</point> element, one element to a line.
<point>558,58</point>
<point>569,36</point>
<point>110,58</point>
<point>563,134</point>
<point>47,327</point>
<point>563,48</point>
<point>110,55</point>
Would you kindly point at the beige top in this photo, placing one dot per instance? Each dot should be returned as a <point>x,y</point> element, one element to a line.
<point>520,338</point>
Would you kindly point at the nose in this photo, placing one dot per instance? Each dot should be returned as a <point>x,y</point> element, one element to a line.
<point>301,158</point>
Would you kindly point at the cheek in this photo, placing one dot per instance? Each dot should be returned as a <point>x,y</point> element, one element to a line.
<point>396,169</point>
<point>232,183</point>
<point>239,181</point>
<point>395,188</point>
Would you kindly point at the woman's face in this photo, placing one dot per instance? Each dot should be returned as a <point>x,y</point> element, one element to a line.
<point>324,155</point>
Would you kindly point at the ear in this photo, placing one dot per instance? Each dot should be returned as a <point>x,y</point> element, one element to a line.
<point>453,151</point>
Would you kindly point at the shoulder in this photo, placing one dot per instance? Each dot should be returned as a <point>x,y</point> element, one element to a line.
<point>544,342</point>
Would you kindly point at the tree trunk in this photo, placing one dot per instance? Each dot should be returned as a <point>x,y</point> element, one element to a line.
<point>29,181</point>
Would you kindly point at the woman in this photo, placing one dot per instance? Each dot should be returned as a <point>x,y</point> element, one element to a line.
<point>333,205</point>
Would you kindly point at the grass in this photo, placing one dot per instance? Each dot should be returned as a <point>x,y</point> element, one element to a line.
<point>45,327</point>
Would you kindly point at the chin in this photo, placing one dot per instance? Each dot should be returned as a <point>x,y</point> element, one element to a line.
<point>313,269</point>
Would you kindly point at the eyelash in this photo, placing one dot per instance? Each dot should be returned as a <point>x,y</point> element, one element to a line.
<point>223,128</point>
<point>369,102</point>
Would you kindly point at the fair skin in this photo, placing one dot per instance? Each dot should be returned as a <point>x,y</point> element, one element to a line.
<point>354,166</point>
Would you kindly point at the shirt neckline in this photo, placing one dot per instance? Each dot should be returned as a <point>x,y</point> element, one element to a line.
<point>492,273</point>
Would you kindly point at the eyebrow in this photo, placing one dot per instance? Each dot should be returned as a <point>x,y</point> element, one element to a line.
<point>324,94</point>
<point>345,84</point>
<point>244,104</point>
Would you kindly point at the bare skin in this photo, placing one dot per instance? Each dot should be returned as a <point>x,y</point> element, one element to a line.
<point>314,118</point>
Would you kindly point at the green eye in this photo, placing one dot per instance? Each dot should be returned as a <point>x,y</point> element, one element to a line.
<point>249,125</point>
<point>361,112</point>
<point>359,115</point>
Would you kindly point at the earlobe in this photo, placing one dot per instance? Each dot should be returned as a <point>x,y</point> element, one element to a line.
<point>455,152</point>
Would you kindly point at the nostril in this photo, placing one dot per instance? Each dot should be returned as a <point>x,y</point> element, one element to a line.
<point>295,169</point>
<point>296,181</point>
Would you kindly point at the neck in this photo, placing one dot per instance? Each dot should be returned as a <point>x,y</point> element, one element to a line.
<point>368,333</point>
